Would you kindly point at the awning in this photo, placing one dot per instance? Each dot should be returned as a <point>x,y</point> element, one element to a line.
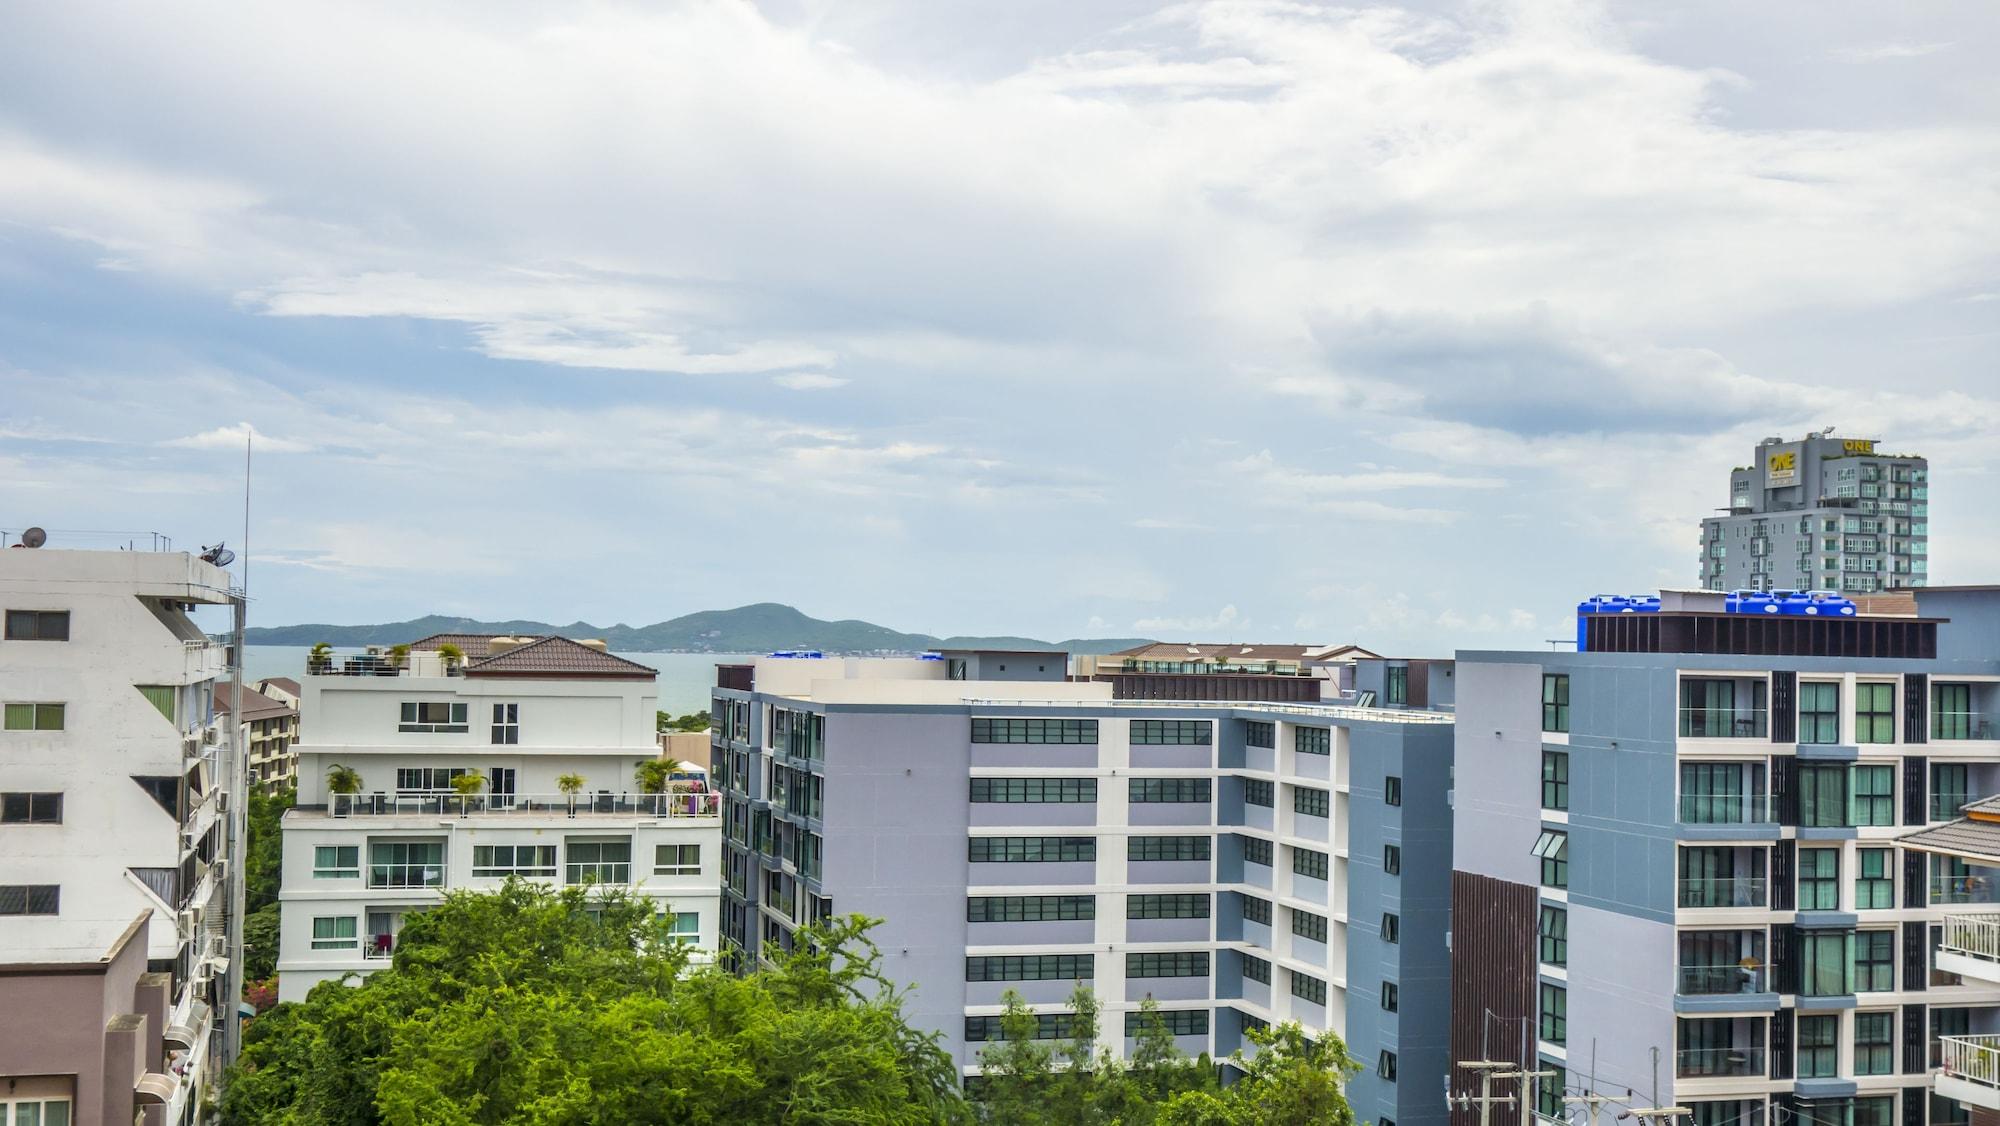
<point>1551,845</point>
<point>154,1088</point>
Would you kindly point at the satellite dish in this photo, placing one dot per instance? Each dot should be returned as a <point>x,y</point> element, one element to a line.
<point>34,537</point>
<point>218,555</point>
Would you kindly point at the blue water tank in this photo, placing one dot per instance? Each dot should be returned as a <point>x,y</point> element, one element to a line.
<point>930,656</point>
<point>1825,603</point>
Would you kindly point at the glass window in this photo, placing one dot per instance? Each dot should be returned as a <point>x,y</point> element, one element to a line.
<point>500,861</point>
<point>1874,880</point>
<point>1256,969</point>
<point>1823,795</point>
<point>1819,712</point>
<point>337,862</point>
<point>1030,850</point>
<point>1173,963</point>
<point>1874,713</point>
<point>1873,790</point>
<point>1029,908</point>
<point>30,899</point>
<point>1392,859</point>
<point>1555,702</point>
<point>1951,790</point>
<point>1385,1065</point>
<point>1309,862</point>
<point>1034,790</point>
<point>1819,1047</point>
<point>1389,996</point>
<point>1180,790</point>
<point>1256,910</point>
<point>1392,790</point>
<point>506,724</point>
<point>1307,987</point>
<point>1555,779</point>
<point>1819,879</point>
<point>38,625</point>
<point>1553,849</point>
<point>1311,801</point>
<point>1176,1022</point>
<point>1166,848</point>
<point>1397,688</point>
<point>1177,905</point>
<point>1554,1014</point>
<point>1256,850</point>
<point>1826,963</point>
<point>337,932</point>
<point>1307,925</point>
<point>1048,1026</point>
<point>1312,740</point>
<point>1555,936</point>
<point>405,864</point>
<point>434,717</point>
<point>677,860</point>
<point>1951,712</point>
<point>686,930</point>
<point>1031,967</point>
<point>1259,792</point>
<point>994,730</point>
<point>597,862</point>
<point>1392,927</point>
<point>31,809</point>
<point>1171,731</point>
<point>34,717</point>
<point>1257,733</point>
<point>1874,961</point>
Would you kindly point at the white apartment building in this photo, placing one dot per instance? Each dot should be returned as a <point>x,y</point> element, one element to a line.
<point>117,873</point>
<point>521,713</point>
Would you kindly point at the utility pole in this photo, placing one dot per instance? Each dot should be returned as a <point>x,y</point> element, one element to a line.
<point>1659,1115</point>
<point>1594,1102</point>
<point>1527,1080</point>
<point>1488,1070</point>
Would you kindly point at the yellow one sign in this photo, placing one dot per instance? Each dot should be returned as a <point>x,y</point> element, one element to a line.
<point>1782,469</point>
<point>1858,446</point>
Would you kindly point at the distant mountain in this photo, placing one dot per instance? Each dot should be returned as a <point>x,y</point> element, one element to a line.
<point>757,628</point>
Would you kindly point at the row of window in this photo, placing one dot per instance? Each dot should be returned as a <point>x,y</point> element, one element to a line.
<point>421,863</point>
<point>1034,850</point>
<point>991,730</point>
<point>1056,1026</point>
<point>343,932</point>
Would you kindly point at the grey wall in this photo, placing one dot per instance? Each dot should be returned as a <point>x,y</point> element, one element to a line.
<point>1621,994</point>
<point>1497,765</point>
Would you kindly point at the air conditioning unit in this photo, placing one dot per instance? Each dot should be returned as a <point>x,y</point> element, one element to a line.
<point>211,736</point>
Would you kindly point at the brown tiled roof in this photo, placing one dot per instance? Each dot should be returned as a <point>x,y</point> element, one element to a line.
<point>282,683</point>
<point>561,657</point>
<point>473,645</point>
<point>256,705</point>
<point>1963,837</point>
<point>1204,651</point>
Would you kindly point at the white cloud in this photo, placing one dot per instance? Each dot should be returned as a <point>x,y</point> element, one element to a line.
<point>1170,524</point>
<point>238,437</point>
<point>1225,625</point>
<point>1879,52</point>
<point>809,381</point>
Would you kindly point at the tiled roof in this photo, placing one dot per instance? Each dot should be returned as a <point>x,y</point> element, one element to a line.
<point>256,705</point>
<point>559,656</point>
<point>473,645</point>
<point>1963,837</point>
<point>282,683</point>
<point>1198,651</point>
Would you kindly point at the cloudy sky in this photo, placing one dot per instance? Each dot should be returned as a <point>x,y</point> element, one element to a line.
<point>1236,319</point>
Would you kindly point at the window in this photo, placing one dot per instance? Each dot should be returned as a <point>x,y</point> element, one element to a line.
<point>1385,1065</point>
<point>1177,1022</point>
<point>1256,910</point>
<point>1034,790</point>
<point>500,861</point>
<point>1312,740</point>
<point>1951,712</point>
<point>1256,850</point>
<point>31,809</point>
<point>1553,849</point>
<point>405,864</point>
<point>1029,908</point>
<point>1826,963</point>
<point>30,899</point>
<point>1305,924</point>
<point>1258,792</point>
<point>38,625</point>
<point>1554,1025</point>
<point>1873,790</point>
<point>1555,779</point>
<point>1392,859</point>
<point>1819,879</point>
<point>1822,795</point>
<point>1308,987</point>
<point>1819,1047</point>
<point>1172,963</point>
<point>1166,848</point>
<point>1951,789</point>
<point>1031,967</point>
<point>336,932</point>
<point>1549,1092</point>
<point>1048,1026</point>
<point>1874,880</point>
<point>1874,713</point>
<point>598,862</point>
<point>1874,961</point>
<point>1392,790</point>
<point>427,779</point>
<point>1389,996</point>
<point>1170,790</point>
<point>1311,802</point>
<point>1555,702</point>
<point>1180,905</point>
<point>337,862</point>
<point>1030,850</point>
<point>677,860</point>
<point>41,1111</point>
<point>1259,734</point>
<point>1555,936</point>
<point>985,730</point>
<point>1819,712</point>
<point>506,724</point>
<point>34,717</point>
<point>1396,689</point>
<point>686,930</point>
<point>1392,928</point>
<point>1309,862</point>
<point>433,717</point>
<point>1256,969</point>
<point>1148,732</point>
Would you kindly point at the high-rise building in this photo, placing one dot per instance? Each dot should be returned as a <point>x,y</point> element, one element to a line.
<point>1238,862</point>
<point>120,800</point>
<point>1681,873</point>
<point>552,729</point>
<point>268,725</point>
<point>1821,513</point>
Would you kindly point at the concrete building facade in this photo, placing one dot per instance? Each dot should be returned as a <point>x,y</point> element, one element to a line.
<point>1679,873</point>
<point>118,874</point>
<point>1238,862</point>
<point>1821,513</point>
<point>523,715</point>
<point>268,726</point>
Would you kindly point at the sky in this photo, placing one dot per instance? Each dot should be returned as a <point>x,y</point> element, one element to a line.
<point>1228,319</point>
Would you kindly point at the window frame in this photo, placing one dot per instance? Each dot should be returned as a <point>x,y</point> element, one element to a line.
<point>38,715</point>
<point>1555,780</point>
<point>1555,703</point>
<point>37,631</point>
<point>1199,848</point>
<point>31,807</point>
<point>336,870</point>
<point>334,940</point>
<point>680,866</point>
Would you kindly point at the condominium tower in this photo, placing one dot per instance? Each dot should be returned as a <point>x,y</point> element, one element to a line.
<point>1821,513</point>
<point>1238,862</point>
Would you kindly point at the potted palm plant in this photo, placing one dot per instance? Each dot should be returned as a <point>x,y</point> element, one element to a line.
<point>342,782</point>
<point>319,660</point>
<point>452,656</point>
<point>399,655</point>
<point>653,776</point>
<point>571,785</point>
<point>468,785</point>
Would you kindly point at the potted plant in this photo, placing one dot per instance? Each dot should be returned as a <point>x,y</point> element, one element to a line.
<point>452,656</point>
<point>571,785</point>
<point>399,655</point>
<point>653,776</point>
<point>319,660</point>
<point>467,785</point>
<point>342,781</point>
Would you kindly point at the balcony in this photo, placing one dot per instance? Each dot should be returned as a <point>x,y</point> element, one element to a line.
<point>673,805</point>
<point>1969,1070</point>
<point>1724,723</point>
<point>1970,945</point>
<point>1975,885</point>
<point>1722,892</point>
<point>1712,981</point>
<point>1962,724</point>
<point>1719,1063</point>
<point>1727,809</point>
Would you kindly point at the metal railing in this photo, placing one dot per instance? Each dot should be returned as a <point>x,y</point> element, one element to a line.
<point>1975,935</point>
<point>1314,711</point>
<point>1728,809</point>
<point>1955,725</point>
<point>1975,1059</point>
<point>672,804</point>
<point>1723,723</point>
<point>1712,980</point>
<point>1963,889</point>
<point>1723,891</point>
<point>1712,1063</point>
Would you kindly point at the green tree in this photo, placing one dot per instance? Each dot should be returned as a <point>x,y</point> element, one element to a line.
<point>693,721</point>
<point>260,943</point>
<point>1293,1080</point>
<point>1019,1069</point>
<point>264,855</point>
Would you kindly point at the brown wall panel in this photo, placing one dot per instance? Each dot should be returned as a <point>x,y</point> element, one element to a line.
<point>1493,938</point>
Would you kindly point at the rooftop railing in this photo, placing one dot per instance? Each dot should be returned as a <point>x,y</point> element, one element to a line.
<point>670,805</point>
<point>1955,725</point>
<point>1723,891</point>
<point>1973,934</point>
<point>1975,1059</point>
<point>1312,711</point>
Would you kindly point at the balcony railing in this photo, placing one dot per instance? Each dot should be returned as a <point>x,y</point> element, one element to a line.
<point>672,804</point>
<point>1712,980</point>
<point>1948,726</point>
<point>1723,723</point>
<point>1728,809</point>
<point>1975,1059</point>
<point>1723,891</point>
<point>1963,889</point>
<point>1715,1063</point>
<point>1975,935</point>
